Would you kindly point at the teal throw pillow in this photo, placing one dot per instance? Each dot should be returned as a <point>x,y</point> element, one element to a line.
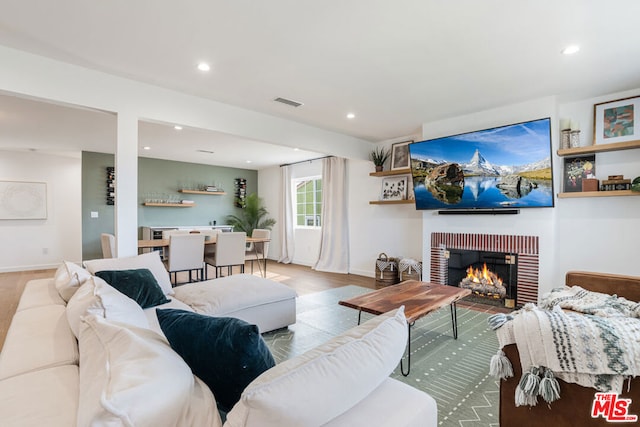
<point>140,285</point>
<point>224,352</point>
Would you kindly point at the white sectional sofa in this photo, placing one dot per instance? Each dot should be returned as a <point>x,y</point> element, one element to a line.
<point>100,359</point>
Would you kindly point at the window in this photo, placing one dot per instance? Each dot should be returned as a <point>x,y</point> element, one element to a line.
<point>308,201</point>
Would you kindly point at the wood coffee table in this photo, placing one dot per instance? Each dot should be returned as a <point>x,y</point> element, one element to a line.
<point>418,298</point>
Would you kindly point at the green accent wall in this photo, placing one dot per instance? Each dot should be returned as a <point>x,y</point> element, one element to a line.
<point>157,179</point>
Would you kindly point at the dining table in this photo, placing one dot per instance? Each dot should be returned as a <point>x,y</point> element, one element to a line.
<point>161,244</point>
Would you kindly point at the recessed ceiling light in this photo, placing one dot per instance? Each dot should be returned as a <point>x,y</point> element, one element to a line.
<point>146,148</point>
<point>248,161</point>
<point>351,116</point>
<point>203,66</point>
<point>177,127</point>
<point>296,149</point>
<point>570,50</point>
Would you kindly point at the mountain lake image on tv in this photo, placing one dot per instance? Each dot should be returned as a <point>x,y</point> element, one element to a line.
<point>502,167</point>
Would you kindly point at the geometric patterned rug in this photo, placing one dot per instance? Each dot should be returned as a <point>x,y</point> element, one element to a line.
<point>454,372</point>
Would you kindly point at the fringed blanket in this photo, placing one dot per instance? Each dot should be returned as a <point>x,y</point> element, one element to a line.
<point>592,351</point>
<point>578,299</point>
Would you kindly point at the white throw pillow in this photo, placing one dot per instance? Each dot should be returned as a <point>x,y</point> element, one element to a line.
<point>68,278</point>
<point>99,298</point>
<point>131,377</point>
<point>325,382</point>
<point>149,260</point>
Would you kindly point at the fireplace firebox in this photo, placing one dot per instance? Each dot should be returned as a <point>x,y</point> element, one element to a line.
<point>517,262</point>
<point>489,275</point>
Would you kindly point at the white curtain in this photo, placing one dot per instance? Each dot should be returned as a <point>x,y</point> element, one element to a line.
<point>334,242</point>
<point>286,217</point>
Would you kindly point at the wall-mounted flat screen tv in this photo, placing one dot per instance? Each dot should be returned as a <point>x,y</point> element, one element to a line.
<point>503,167</point>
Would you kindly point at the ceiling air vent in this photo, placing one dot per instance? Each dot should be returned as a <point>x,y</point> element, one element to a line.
<point>205,151</point>
<point>288,102</point>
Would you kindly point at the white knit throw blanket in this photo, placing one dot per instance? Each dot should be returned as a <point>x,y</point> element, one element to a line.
<point>578,299</point>
<point>592,351</point>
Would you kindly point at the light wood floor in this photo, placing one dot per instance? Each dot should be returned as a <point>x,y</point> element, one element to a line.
<point>302,279</point>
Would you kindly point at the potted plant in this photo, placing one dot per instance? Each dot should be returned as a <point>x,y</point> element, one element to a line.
<point>253,215</point>
<point>378,156</point>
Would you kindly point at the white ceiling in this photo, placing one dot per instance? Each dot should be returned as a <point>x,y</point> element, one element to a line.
<point>395,64</point>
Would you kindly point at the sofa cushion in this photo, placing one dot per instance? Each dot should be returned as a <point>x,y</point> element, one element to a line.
<point>138,284</point>
<point>411,408</point>
<point>97,297</point>
<point>38,338</point>
<point>266,303</point>
<point>323,383</point>
<point>221,297</point>
<point>226,353</point>
<point>48,397</point>
<point>149,260</point>
<point>39,292</point>
<point>129,376</point>
<point>68,278</point>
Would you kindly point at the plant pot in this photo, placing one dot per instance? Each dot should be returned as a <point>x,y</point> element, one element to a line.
<point>378,168</point>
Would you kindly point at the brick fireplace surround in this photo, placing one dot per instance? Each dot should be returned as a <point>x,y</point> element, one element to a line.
<point>526,247</point>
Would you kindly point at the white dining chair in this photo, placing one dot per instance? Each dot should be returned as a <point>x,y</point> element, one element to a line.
<point>258,251</point>
<point>230,249</point>
<point>108,242</point>
<point>186,253</point>
<point>210,250</point>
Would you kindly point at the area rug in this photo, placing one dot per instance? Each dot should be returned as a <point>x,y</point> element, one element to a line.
<point>454,372</point>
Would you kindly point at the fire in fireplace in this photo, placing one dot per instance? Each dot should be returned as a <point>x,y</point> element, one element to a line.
<point>484,282</point>
<point>491,276</point>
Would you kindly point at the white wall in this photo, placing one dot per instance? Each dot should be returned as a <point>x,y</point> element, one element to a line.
<point>25,241</point>
<point>595,234</point>
<point>599,234</point>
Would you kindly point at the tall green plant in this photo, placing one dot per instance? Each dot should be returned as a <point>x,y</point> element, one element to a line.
<point>254,215</point>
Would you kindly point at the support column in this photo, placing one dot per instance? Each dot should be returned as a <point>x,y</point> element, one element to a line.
<point>126,204</point>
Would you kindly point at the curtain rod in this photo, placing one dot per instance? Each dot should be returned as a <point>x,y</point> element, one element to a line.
<point>304,161</point>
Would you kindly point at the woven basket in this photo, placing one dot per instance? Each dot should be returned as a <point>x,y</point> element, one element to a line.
<point>386,271</point>
<point>410,269</point>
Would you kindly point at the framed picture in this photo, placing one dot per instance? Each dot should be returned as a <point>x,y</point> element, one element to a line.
<point>616,121</point>
<point>395,187</point>
<point>576,169</point>
<point>400,155</point>
<point>23,200</point>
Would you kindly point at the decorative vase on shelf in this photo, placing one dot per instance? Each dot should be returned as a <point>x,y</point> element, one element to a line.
<point>378,168</point>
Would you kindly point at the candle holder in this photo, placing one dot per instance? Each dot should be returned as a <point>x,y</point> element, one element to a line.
<point>565,140</point>
<point>574,139</point>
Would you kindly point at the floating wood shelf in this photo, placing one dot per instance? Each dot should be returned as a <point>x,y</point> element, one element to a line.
<point>391,172</point>
<point>616,193</point>
<point>170,205</point>
<point>391,202</point>
<point>602,148</point>
<point>210,193</point>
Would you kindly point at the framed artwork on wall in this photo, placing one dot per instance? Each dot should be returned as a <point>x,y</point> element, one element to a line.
<point>576,169</point>
<point>23,200</point>
<point>616,121</point>
<point>400,155</point>
<point>394,187</point>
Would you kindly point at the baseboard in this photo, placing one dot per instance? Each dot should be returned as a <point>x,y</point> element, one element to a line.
<point>29,268</point>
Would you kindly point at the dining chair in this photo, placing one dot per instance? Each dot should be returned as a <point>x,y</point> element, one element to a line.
<point>108,242</point>
<point>210,250</point>
<point>230,248</point>
<point>186,253</point>
<point>166,235</point>
<point>258,251</point>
